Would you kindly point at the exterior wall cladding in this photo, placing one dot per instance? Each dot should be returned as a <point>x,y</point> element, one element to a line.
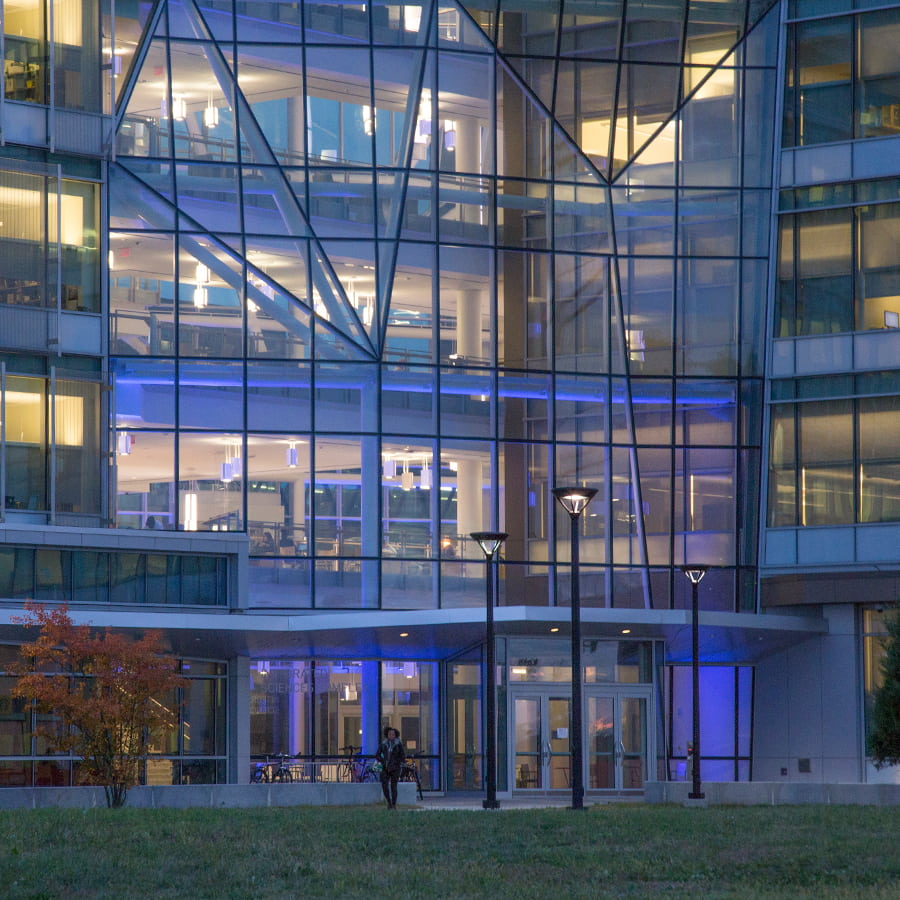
<point>296,297</point>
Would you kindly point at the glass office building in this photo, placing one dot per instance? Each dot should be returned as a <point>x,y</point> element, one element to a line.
<point>295,297</point>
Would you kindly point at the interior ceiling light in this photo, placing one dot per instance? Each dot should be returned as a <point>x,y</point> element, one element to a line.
<point>210,115</point>
<point>200,298</point>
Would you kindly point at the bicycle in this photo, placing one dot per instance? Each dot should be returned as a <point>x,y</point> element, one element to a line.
<point>266,772</point>
<point>355,767</point>
<point>410,773</point>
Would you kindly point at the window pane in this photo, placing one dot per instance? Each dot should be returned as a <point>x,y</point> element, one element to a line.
<point>826,463</point>
<point>25,443</point>
<point>879,84</point>
<point>879,473</point>
<point>823,81</point>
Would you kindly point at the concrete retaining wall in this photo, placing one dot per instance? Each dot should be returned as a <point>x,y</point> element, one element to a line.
<point>232,796</point>
<point>775,793</point>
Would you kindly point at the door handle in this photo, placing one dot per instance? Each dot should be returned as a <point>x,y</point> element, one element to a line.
<point>620,751</point>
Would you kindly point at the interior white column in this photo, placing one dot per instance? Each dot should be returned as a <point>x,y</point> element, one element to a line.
<point>469,506</point>
<point>468,324</point>
<point>468,145</point>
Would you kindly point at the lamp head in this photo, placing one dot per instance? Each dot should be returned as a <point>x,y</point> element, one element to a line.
<point>695,573</point>
<point>489,541</point>
<point>574,500</point>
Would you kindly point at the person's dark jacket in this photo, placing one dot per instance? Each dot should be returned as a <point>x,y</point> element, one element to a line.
<point>391,756</point>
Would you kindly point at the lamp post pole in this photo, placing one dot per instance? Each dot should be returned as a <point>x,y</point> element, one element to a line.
<point>490,542</point>
<point>695,574</point>
<point>574,501</point>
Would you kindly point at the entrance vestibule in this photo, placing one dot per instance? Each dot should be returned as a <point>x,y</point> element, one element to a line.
<point>618,712</point>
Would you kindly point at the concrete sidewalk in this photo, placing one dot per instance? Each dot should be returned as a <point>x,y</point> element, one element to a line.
<point>473,802</point>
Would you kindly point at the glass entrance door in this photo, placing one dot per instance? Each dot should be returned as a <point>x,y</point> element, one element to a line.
<point>542,756</point>
<point>617,738</point>
<point>616,734</point>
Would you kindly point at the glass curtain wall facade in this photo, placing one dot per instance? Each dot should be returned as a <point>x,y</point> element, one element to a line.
<point>342,283</point>
<point>190,748</point>
<point>383,275</point>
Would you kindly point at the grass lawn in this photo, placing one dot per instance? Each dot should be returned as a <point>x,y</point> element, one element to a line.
<point>605,851</point>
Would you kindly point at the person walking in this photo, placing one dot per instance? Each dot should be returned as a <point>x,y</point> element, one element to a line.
<point>391,755</point>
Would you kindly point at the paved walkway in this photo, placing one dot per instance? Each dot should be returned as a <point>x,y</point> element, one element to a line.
<point>474,802</point>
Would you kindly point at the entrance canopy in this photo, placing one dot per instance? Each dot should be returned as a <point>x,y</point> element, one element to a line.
<point>438,634</point>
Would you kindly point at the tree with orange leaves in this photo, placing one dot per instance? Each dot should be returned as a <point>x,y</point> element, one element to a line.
<point>101,688</point>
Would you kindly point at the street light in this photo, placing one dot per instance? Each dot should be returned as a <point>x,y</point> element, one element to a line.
<point>574,501</point>
<point>490,542</point>
<point>695,574</point>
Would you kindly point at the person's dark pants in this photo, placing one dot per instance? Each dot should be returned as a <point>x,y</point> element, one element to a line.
<point>389,787</point>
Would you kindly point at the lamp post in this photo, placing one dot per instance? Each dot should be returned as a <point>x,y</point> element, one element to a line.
<point>574,501</point>
<point>695,574</point>
<point>490,542</point>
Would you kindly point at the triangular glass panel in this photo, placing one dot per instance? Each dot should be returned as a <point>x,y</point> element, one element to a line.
<point>581,312</point>
<point>573,165</point>
<point>393,202</point>
<point>355,265</point>
<point>136,196</point>
<point>395,107</point>
<point>278,319</point>
<point>132,21</point>
<point>210,297</point>
<point>646,287</point>
<point>710,123</point>
<point>483,18</point>
<point>184,20</point>
<point>655,468</point>
<point>277,326</point>
<point>283,263</point>
<point>757,10</point>
<point>647,99</point>
<point>330,303</point>
<point>536,130</point>
<point>617,335</point>
<point>387,262</point>
<point>410,334</point>
<point>655,163</point>
<point>627,517</point>
<point>539,74</point>
<point>421,139</point>
<point>330,344</point>
<point>270,207</point>
<point>144,130</point>
<point>202,104</point>
<point>585,101</point>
